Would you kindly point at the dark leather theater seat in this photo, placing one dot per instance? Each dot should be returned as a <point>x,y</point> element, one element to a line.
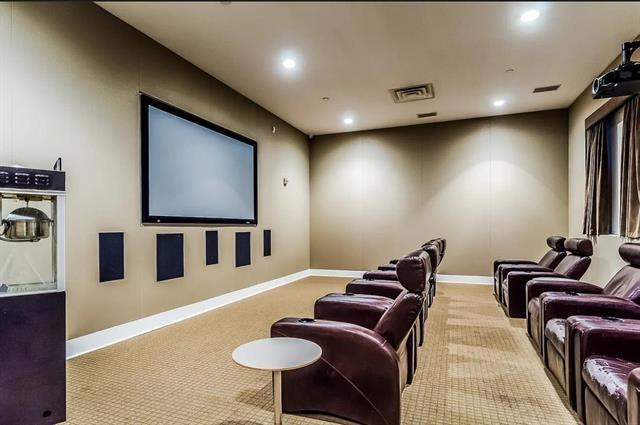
<point>362,372</point>
<point>366,310</point>
<point>392,287</point>
<point>573,266</point>
<point>550,299</point>
<point>609,388</point>
<point>549,260</point>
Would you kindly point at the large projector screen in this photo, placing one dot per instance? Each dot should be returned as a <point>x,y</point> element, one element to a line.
<point>194,171</point>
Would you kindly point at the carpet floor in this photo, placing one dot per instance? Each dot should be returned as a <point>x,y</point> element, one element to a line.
<point>476,367</point>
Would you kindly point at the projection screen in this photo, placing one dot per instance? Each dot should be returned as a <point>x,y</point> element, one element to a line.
<point>194,171</point>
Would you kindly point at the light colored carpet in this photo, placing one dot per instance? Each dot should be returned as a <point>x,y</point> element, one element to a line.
<point>476,367</point>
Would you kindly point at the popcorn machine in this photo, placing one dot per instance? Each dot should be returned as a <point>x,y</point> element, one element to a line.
<point>32,297</point>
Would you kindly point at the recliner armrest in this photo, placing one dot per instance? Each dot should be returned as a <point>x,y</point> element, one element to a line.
<point>498,263</point>
<point>560,305</point>
<point>620,342</point>
<point>358,309</point>
<point>516,282</point>
<point>537,287</point>
<point>384,288</point>
<point>381,275</point>
<point>506,269</point>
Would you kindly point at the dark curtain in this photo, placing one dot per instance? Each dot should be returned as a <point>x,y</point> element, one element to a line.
<point>597,209</point>
<point>629,170</point>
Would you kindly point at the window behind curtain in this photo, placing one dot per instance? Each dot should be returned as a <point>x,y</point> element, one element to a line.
<point>614,143</point>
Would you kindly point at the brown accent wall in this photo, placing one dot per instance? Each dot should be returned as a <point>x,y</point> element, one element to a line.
<point>70,74</point>
<point>494,187</point>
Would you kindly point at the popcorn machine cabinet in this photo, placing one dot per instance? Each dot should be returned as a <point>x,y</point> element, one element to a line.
<point>32,297</point>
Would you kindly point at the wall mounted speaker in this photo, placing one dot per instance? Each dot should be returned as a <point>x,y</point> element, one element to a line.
<point>211,247</point>
<point>111,256</point>
<point>243,249</point>
<point>266,243</point>
<point>169,256</point>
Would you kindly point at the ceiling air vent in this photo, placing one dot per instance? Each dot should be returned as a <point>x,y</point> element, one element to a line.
<point>546,88</point>
<point>427,115</point>
<point>413,93</point>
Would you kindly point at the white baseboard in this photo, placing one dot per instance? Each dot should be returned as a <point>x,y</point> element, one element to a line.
<point>450,278</point>
<point>336,273</point>
<point>94,341</point>
<point>473,280</point>
<point>91,342</point>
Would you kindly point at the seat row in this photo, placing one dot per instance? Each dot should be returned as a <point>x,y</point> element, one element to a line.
<point>588,337</point>
<point>369,337</point>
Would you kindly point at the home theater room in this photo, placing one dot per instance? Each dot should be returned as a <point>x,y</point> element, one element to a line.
<point>308,213</point>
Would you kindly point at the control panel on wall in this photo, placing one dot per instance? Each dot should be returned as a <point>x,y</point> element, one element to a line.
<point>29,178</point>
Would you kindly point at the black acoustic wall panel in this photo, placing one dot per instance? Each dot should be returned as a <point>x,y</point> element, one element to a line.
<point>169,256</point>
<point>211,247</point>
<point>243,249</point>
<point>111,256</point>
<point>266,243</point>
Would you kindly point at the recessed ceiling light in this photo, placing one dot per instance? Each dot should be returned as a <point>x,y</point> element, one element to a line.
<point>325,98</point>
<point>348,120</point>
<point>530,16</point>
<point>289,63</point>
<point>498,102</point>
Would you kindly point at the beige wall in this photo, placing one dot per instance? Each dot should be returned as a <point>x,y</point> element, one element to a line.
<point>70,74</point>
<point>494,187</point>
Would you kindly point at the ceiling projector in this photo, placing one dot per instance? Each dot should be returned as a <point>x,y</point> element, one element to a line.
<point>621,81</point>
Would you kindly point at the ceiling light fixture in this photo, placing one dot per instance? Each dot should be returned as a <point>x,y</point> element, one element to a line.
<point>530,16</point>
<point>348,120</point>
<point>498,102</point>
<point>289,63</point>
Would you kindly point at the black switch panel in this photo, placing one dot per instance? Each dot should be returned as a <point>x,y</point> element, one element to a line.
<point>169,256</point>
<point>111,254</point>
<point>31,178</point>
<point>211,247</point>
<point>243,249</point>
<point>266,247</point>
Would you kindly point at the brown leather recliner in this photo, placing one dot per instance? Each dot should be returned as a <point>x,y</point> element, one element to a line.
<point>549,260</point>
<point>440,244</point>
<point>609,369</point>
<point>432,248</point>
<point>362,372</point>
<point>391,288</point>
<point>549,335</point>
<point>549,311</point>
<point>573,266</point>
<point>579,345</point>
<point>366,310</point>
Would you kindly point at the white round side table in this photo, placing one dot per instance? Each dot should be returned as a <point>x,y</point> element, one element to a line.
<point>277,355</point>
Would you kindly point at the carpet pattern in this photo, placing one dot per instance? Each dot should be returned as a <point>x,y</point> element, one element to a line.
<point>476,367</point>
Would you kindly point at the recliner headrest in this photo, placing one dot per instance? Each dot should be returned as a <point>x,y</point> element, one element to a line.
<point>556,243</point>
<point>412,272</point>
<point>433,252</point>
<point>397,321</point>
<point>630,252</point>
<point>415,253</point>
<point>579,246</point>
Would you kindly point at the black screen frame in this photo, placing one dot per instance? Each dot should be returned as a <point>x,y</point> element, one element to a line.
<point>145,102</point>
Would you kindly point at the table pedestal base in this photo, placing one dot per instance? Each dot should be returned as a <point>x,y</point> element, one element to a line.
<point>277,397</point>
